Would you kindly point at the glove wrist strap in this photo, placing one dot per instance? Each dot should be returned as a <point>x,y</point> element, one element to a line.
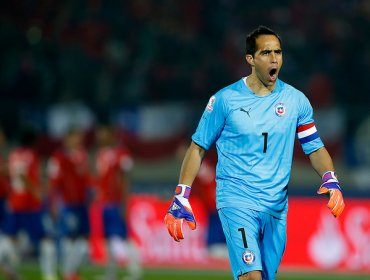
<point>330,176</point>
<point>183,190</point>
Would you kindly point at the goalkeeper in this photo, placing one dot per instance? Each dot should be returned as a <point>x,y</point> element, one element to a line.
<point>253,123</point>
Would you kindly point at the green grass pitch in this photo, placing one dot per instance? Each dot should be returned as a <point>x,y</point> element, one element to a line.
<point>31,272</point>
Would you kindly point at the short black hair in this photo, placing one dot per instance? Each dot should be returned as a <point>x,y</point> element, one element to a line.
<point>250,42</point>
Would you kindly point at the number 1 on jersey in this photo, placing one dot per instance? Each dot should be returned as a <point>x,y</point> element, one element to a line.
<point>265,135</point>
<point>243,237</point>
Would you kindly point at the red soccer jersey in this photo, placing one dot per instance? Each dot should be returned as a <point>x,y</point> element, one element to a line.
<point>25,180</point>
<point>111,165</point>
<point>4,178</point>
<point>69,176</point>
<point>204,186</point>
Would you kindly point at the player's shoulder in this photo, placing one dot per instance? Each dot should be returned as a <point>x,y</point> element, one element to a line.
<point>231,89</point>
<point>291,90</point>
<point>227,95</point>
<point>119,151</point>
<point>124,151</point>
<point>22,151</point>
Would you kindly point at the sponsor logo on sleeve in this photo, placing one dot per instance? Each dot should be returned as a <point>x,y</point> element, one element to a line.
<point>210,104</point>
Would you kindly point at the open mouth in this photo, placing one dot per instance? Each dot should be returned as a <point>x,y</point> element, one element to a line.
<point>273,74</point>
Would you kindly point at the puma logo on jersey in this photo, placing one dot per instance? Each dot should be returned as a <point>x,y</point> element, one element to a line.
<point>175,207</point>
<point>245,111</point>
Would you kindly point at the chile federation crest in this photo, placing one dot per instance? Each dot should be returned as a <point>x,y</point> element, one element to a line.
<point>280,109</point>
<point>248,257</point>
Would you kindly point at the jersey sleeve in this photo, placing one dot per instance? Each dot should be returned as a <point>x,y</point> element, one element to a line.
<point>307,133</point>
<point>211,122</point>
<point>126,162</point>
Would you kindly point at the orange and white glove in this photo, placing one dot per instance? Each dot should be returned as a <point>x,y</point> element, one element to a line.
<point>179,211</point>
<point>331,188</point>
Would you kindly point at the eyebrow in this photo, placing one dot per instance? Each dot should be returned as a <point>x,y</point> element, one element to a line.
<point>268,50</point>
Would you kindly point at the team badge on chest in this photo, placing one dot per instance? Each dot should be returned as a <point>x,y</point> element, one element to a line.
<point>280,109</point>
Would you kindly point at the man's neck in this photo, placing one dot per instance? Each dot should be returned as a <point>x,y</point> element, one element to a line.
<point>257,87</point>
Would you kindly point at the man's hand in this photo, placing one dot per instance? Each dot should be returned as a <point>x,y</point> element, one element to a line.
<point>179,210</point>
<point>331,187</point>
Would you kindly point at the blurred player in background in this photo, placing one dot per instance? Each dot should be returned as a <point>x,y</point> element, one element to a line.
<point>4,175</point>
<point>70,182</point>
<point>204,188</point>
<point>24,209</point>
<point>4,191</point>
<point>253,123</point>
<point>113,163</point>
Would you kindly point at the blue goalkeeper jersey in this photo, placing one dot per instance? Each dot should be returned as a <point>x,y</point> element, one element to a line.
<point>254,137</point>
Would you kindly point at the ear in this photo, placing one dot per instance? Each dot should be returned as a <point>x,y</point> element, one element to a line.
<point>249,58</point>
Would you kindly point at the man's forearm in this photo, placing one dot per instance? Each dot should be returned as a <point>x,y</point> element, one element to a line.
<point>191,164</point>
<point>321,161</point>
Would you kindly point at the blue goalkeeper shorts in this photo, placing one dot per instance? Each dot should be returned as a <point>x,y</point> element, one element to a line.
<point>255,240</point>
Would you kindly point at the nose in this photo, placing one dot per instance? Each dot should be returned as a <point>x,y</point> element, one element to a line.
<point>273,57</point>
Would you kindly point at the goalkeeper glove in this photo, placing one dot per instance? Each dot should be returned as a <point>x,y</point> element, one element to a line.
<point>331,187</point>
<point>179,210</point>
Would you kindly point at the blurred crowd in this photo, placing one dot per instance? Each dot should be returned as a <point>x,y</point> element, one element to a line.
<point>108,55</point>
<point>122,53</point>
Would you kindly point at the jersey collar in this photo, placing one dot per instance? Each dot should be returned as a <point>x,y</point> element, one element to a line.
<point>246,88</point>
